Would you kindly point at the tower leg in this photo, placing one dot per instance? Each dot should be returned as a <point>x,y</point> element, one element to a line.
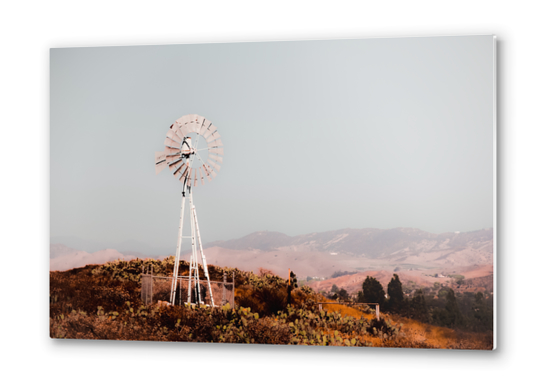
<point>203,260</point>
<point>177,255</point>
<point>194,258</point>
<point>193,276</point>
<point>189,301</point>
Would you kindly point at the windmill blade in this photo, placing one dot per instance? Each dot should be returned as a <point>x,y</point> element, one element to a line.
<point>170,143</point>
<point>172,151</point>
<point>201,175</point>
<point>211,170</point>
<point>207,172</point>
<point>183,131</point>
<point>174,163</point>
<point>193,127</point>
<point>216,143</point>
<point>214,131</point>
<point>215,158</point>
<point>198,121</point>
<point>215,135</point>
<point>178,134</point>
<point>171,134</point>
<point>179,171</point>
<point>213,164</point>
<point>206,125</point>
<point>219,151</point>
<point>173,157</point>
<point>183,120</point>
<point>209,130</point>
<point>192,117</point>
<point>174,126</point>
<point>159,161</point>
<point>190,127</point>
<point>195,178</point>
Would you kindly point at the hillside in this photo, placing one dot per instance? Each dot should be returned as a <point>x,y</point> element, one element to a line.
<point>477,278</point>
<point>104,302</point>
<point>321,254</point>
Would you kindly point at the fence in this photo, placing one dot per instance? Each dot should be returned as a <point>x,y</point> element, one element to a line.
<point>154,288</point>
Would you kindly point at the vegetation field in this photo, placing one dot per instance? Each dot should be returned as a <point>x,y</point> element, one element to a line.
<point>104,302</point>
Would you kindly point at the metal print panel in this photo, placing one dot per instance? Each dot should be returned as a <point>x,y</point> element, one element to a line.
<point>354,203</point>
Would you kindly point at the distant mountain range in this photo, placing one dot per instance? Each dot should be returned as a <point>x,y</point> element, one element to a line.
<point>369,243</point>
<point>317,254</point>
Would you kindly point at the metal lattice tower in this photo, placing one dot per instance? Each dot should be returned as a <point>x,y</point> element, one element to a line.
<point>193,150</point>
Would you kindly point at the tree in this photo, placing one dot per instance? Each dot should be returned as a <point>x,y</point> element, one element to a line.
<point>395,292</point>
<point>373,291</point>
<point>483,315</point>
<point>343,294</point>
<point>443,292</point>
<point>360,298</point>
<point>418,308</point>
<point>450,316</point>
<point>460,281</point>
<point>334,289</point>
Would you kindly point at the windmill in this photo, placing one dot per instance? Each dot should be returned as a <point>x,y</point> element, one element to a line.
<point>193,150</point>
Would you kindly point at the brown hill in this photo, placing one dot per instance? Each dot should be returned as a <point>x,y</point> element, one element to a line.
<point>480,278</point>
<point>352,283</point>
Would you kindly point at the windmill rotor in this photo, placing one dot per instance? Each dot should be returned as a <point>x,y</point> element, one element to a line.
<point>193,150</point>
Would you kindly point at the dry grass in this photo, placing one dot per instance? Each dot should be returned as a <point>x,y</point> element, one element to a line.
<point>82,304</point>
<point>415,334</point>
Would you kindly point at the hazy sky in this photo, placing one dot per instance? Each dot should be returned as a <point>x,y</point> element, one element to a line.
<point>318,136</point>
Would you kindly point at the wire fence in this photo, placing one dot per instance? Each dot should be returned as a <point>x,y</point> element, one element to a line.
<point>155,288</point>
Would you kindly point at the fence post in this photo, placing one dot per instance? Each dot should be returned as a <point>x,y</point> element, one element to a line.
<point>233,289</point>
<point>378,312</point>
<point>224,289</point>
<point>152,270</point>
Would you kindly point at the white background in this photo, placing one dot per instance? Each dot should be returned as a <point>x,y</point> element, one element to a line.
<point>29,29</point>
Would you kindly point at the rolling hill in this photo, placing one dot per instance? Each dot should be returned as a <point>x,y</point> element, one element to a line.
<point>409,250</point>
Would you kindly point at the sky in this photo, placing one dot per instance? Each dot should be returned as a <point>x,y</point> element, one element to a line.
<point>318,136</point>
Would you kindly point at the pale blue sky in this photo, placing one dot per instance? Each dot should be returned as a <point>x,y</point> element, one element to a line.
<point>318,135</point>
